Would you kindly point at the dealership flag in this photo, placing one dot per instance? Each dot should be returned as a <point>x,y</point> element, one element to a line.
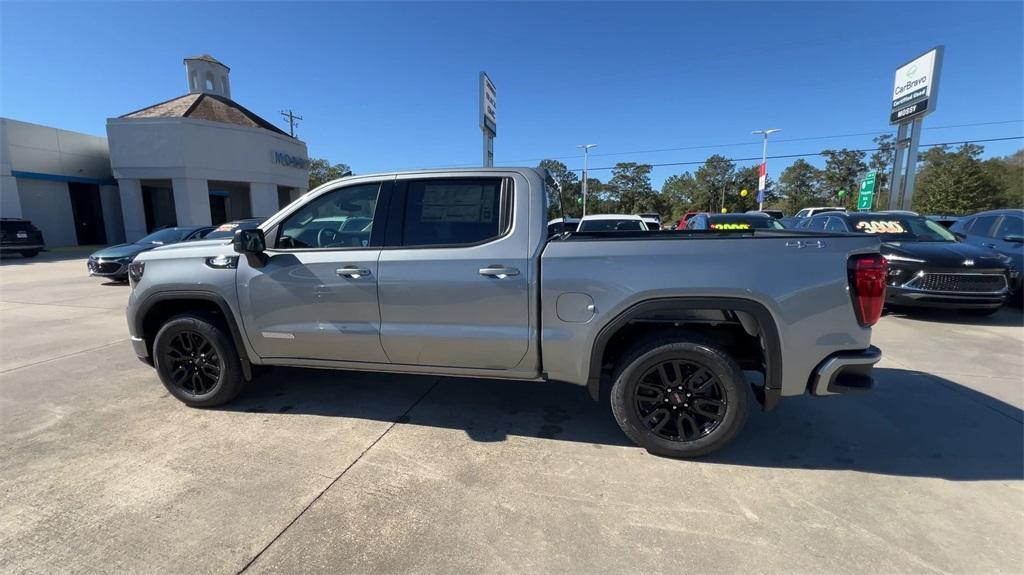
<point>761,181</point>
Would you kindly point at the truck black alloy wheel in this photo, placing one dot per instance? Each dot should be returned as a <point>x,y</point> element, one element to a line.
<point>194,363</point>
<point>677,395</point>
<point>196,360</point>
<point>680,400</point>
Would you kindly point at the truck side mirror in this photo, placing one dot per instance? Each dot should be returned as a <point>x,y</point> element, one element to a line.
<point>249,241</point>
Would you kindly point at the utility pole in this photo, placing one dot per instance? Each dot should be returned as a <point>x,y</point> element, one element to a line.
<point>763,176</point>
<point>291,117</point>
<point>586,155</point>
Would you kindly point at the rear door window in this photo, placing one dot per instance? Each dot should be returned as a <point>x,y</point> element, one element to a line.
<point>835,225</point>
<point>1010,226</point>
<point>817,223</point>
<point>456,212</point>
<point>982,226</point>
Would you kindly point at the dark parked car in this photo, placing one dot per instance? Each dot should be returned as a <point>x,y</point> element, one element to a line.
<point>777,214</point>
<point>18,235</point>
<point>227,231</point>
<point>928,267</point>
<point>722,222</point>
<point>999,230</point>
<point>112,261</point>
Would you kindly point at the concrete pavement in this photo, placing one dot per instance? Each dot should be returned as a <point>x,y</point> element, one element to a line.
<point>319,471</point>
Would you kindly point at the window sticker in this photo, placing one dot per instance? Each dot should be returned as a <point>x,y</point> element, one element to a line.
<point>881,227</point>
<point>456,204</point>
<point>226,227</point>
<point>730,226</point>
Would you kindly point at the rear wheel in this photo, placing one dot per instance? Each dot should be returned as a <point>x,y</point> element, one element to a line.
<point>679,397</point>
<point>196,361</point>
<point>29,253</point>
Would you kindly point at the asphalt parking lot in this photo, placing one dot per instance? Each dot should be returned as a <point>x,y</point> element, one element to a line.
<point>318,471</point>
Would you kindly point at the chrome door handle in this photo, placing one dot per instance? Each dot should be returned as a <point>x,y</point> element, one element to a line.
<point>352,272</point>
<point>500,272</point>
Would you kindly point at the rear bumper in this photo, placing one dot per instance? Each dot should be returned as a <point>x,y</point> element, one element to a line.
<point>845,372</point>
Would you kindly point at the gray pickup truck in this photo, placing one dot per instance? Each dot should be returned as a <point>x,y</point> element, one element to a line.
<point>455,272</point>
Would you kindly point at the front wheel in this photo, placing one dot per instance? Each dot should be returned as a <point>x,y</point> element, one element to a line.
<point>29,253</point>
<point>197,362</point>
<point>679,397</point>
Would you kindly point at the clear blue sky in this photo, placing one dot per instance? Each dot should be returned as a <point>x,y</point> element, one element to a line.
<point>392,86</point>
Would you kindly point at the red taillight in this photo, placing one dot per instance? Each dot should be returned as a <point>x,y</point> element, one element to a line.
<point>867,286</point>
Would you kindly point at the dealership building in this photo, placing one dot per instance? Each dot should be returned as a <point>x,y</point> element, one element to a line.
<point>200,158</point>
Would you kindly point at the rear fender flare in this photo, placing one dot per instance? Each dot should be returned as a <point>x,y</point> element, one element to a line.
<point>769,333</point>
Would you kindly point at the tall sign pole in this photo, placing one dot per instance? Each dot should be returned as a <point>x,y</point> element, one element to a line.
<point>488,117</point>
<point>586,157</point>
<point>915,94</point>
<point>762,176</point>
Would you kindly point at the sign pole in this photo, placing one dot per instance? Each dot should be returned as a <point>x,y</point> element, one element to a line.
<point>915,94</point>
<point>908,180</point>
<point>896,182</point>
<point>488,117</point>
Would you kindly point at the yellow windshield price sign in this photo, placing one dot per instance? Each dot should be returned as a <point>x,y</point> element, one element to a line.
<point>881,227</point>
<point>735,226</point>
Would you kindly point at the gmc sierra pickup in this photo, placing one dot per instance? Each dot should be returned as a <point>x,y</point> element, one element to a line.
<point>454,272</point>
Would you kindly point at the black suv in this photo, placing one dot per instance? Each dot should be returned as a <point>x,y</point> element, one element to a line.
<point>18,235</point>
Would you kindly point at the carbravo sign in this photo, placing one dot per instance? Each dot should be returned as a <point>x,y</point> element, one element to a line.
<point>916,87</point>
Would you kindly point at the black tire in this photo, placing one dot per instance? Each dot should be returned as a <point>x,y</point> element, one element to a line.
<point>29,253</point>
<point>698,366</point>
<point>982,312</point>
<point>194,343</point>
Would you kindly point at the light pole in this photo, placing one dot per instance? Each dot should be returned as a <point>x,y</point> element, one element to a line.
<point>764,165</point>
<point>586,154</point>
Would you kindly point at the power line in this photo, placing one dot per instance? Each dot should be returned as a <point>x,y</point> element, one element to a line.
<point>749,143</point>
<point>786,156</point>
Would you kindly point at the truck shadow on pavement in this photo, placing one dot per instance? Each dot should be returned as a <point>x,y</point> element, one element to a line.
<point>913,424</point>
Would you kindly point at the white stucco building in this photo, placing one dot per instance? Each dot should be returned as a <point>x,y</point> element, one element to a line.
<point>200,158</point>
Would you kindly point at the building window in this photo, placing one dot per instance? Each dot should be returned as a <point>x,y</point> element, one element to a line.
<point>209,82</point>
<point>224,83</point>
<point>194,81</point>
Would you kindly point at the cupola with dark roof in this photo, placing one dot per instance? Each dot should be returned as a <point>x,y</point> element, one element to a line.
<point>208,98</point>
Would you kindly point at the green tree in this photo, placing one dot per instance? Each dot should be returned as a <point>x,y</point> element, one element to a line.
<point>632,183</point>
<point>321,171</point>
<point>881,161</point>
<point>955,182</point>
<point>800,184</point>
<point>1008,173</point>
<point>843,172</point>
<point>715,177</point>
<point>572,192</point>
<point>678,195</point>
<point>747,179</point>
